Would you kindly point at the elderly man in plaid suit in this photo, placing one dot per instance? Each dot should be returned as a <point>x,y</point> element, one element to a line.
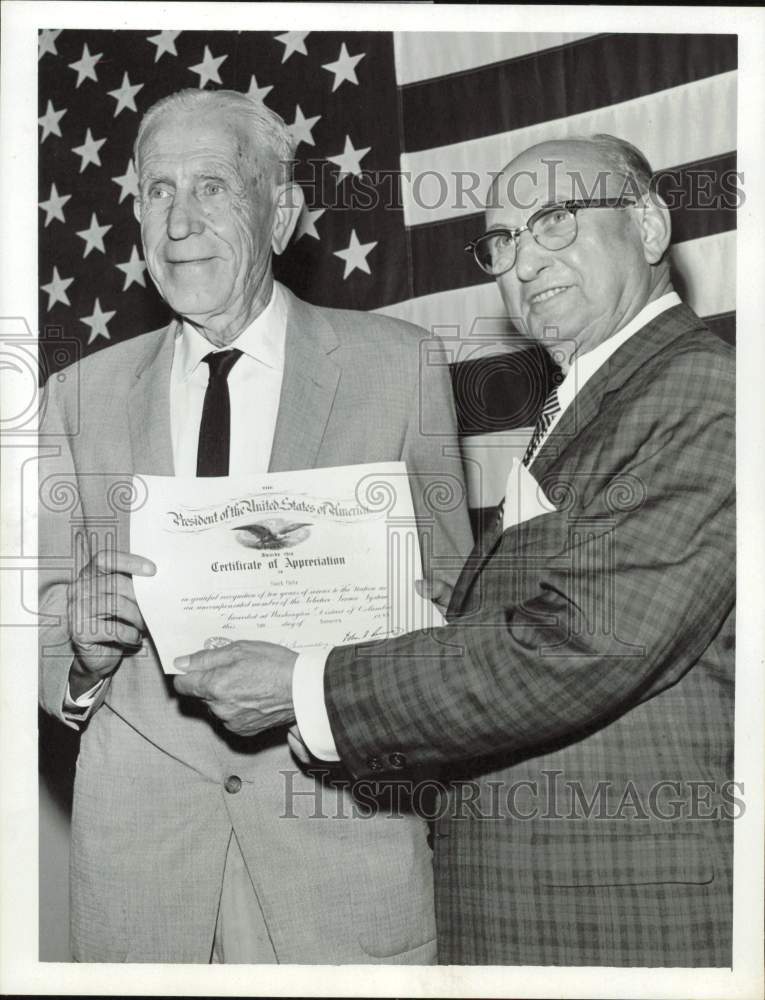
<point>581,697</point>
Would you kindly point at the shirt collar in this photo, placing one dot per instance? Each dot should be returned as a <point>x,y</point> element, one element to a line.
<point>584,366</point>
<point>263,340</point>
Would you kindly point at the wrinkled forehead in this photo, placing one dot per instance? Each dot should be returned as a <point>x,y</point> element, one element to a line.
<point>181,136</point>
<point>549,173</point>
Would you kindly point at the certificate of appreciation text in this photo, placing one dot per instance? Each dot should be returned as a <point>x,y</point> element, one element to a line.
<point>306,559</point>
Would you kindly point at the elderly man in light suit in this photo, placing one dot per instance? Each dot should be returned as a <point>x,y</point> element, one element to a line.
<point>583,690</point>
<point>185,847</point>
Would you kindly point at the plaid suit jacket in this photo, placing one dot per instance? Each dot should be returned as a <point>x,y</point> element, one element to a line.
<point>582,696</point>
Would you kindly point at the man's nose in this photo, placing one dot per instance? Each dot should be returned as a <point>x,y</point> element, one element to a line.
<point>185,218</point>
<point>530,257</point>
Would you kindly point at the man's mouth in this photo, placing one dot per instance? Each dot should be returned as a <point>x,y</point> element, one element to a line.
<point>548,293</point>
<point>190,260</point>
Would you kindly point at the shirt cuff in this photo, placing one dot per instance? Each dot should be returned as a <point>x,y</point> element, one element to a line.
<point>78,709</point>
<point>308,701</point>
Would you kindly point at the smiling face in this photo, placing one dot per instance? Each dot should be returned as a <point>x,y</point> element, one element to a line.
<point>207,221</point>
<point>587,291</point>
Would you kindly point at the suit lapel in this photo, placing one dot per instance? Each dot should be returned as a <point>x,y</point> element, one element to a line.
<point>615,372</point>
<point>149,408</point>
<point>610,377</point>
<point>308,388</point>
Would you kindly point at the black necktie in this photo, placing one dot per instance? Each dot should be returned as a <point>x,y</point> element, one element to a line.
<point>215,427</point>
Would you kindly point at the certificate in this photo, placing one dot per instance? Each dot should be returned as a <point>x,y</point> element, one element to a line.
<point>307,559</point>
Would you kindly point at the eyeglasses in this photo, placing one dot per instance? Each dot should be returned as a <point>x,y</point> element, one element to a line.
<point>553,227</point>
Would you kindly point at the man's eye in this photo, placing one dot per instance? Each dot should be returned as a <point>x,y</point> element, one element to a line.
<point>157,192</point>
<point>555,218</point>
<point>212,188</point>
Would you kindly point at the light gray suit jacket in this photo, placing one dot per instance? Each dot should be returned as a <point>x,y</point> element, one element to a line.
<point>151,818</point>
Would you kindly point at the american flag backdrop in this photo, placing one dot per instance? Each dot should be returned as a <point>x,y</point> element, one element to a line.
<point>398,135</point>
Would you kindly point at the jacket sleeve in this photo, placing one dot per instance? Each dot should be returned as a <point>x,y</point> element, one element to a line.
<point>62,544</point>
<point>591,610</point>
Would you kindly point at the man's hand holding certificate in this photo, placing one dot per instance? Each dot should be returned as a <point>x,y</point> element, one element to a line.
<point>247,685</point>
<point>252,570</point>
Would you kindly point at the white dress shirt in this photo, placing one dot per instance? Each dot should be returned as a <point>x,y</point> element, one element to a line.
<point>255,385</point>
<point>308,678</point>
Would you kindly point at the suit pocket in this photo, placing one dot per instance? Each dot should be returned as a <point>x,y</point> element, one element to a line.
<point>571,858</point>
<point>393,903</point>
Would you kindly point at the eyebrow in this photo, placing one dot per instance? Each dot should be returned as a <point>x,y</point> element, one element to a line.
<point>152,177</point>
<point>204,174</point>
<point>548,204</point>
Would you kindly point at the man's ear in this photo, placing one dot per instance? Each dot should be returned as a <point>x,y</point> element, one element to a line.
<point>289,205</point>
<point>655,227</point>
<point>137,209</point>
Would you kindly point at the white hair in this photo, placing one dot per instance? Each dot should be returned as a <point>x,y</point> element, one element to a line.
<point>260,124</point>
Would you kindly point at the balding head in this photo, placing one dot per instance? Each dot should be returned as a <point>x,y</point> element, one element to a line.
<point>585,292</point>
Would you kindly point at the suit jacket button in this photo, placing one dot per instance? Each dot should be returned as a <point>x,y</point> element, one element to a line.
<point>397,760</point>
<point>232,784</point>
<point>374,764</point>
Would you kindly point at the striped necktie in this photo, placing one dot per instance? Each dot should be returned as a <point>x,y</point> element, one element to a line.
<point>550,411</point>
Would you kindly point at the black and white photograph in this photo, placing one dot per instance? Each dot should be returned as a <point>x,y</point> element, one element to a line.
<point>381,460</point>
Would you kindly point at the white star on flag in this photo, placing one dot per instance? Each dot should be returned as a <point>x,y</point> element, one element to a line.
<point>97,322</point>
<point>349,161</point>
<point>54,206</point>
<point>165,42</point>
<point>86,66</point>
<point>258,93</point>
<point>50,120</point>
<point>125,95</point>
<point>355,255</point>
<point>128,182</point>
<point>56,289</point>
<point>293,41</point>
<point>133,270</point>
<point>307,222</point>
<point>89,151</point>
<point>47,42</point>
<point>93,236</point>
<point>302,128</point>
<point>344,67</point>
<point>208,68</point>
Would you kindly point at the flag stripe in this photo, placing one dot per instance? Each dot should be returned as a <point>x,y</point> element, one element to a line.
<point>702,193</point>
<point>420,55</point>
<point>448,181</point>
<point>487,458</point>
<point>724,325</point>
<point>569,80</point>
<point>705,273</point>
<point>500,393</point>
